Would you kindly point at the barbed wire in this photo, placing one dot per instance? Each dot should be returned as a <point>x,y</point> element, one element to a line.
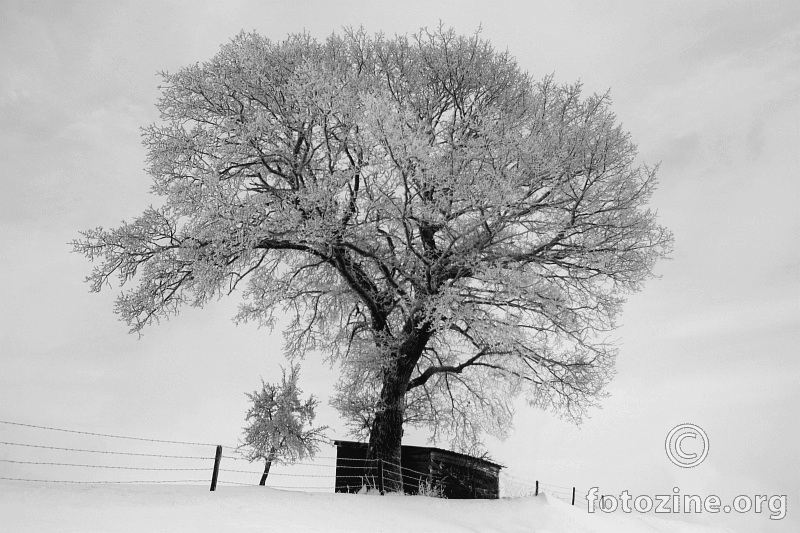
<point>542,484</point>
<point>288,487</point>
<point>320,465</point>
<point>344,458</point>
<point>106,434</point>
<point>225,482</point>
<point>106,452</point>
<point>271,473</point>
<point>516,478</point>
<point>323,465</point>
<point>402,468</point>
<point>345,467</point>
<point>355,464</point>
<point>550,491</point>
<point>530,483</point>
<point>105,482</point>
<point>104,466</point>
<point>565,496</point>
<point>241,458</point>
<point>576,497</point>
<point>235,458</point>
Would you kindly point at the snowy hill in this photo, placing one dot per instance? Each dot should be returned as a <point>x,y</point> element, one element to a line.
<point>26,507</point>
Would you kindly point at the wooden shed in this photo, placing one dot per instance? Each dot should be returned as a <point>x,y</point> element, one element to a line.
<point>458,476</point>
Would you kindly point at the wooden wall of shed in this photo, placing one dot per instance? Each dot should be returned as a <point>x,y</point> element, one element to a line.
<point>351,471</point>
<point>416,468</point>
<point>462,478</point>
<point>458,476</point>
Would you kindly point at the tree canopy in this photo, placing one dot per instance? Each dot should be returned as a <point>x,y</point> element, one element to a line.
<point>448,230</point>
<point>280,424</point>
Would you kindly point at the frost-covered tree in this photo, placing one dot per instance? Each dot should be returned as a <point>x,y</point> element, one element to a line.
<point>448,231</point>
<point>279,425</point>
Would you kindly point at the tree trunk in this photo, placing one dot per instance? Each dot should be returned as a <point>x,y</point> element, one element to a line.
<point>387,431</point>
<point>267,466</point>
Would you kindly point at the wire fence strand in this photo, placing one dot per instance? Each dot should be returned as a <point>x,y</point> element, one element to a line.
<point>106,452</point>
<point>406,469</point>
<point>270,474</point>
<point>146,482</point>
<point>162,441</point>
<point>105,466</point>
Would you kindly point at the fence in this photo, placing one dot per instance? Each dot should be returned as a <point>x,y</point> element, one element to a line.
<point>208,463</point>
<point>30,460</point>
<point>296,476</point>
<point>519,487</point>
<point>213,464</point>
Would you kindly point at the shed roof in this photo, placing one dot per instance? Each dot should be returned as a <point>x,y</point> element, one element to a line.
<point>419,449</point>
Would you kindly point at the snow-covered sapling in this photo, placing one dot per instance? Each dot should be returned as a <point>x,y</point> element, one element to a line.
<point>280,424</point>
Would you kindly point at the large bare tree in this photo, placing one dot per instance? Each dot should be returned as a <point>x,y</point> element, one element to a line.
<point>447,230</point>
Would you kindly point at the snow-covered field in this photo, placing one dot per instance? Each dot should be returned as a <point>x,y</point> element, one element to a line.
<point>26,507</point>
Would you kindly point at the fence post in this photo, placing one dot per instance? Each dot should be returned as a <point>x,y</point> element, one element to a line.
<point>380,476</point>
<point>573,495</point>
<point>537,488</point>
<point>215,475</point>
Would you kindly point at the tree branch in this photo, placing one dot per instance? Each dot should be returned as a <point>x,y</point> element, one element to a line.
<point>430,371</point>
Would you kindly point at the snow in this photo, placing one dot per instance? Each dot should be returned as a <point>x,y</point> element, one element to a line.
<point>53,508</point>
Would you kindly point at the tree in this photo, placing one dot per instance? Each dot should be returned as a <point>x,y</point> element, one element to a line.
<point>279,424</point>
<point>449,231</point>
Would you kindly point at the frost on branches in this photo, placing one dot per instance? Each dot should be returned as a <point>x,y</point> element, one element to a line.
<point>279,424</point>
<point>448,231</point>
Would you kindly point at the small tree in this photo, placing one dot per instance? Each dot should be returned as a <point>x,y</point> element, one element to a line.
<point>279,424</point>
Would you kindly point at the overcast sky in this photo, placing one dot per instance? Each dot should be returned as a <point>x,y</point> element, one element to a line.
<point>711,90</point>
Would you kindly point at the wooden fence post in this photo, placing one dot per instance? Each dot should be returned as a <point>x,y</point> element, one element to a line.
<point>573,495</point>
<point>215,475</point>
<point>380,476</point>
<point>537,488</point>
